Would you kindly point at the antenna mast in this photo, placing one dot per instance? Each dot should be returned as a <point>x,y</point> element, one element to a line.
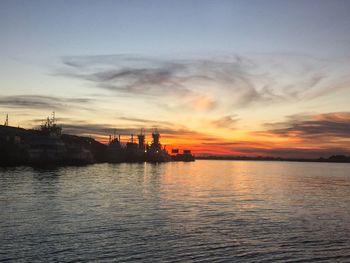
<point>7,120</point>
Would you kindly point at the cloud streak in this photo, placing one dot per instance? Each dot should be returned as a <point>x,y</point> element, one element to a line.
<point>310,126</point>
<point>41,102</point>
<point>228,122</point>
<point>211,82</point>
<point>146,121</point>
<point>193,78</point>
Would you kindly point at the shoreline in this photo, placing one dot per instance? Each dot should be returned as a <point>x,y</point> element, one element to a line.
<point>332,159</point>
<point>43,166</point>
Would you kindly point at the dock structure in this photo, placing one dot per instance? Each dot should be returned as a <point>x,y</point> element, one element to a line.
<point>48,145</point>
<point>185,156</point>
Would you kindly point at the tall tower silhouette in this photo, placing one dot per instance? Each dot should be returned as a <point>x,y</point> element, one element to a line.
<point>141,139</point>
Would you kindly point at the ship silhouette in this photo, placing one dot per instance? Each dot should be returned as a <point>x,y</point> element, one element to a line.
<point>48,145</point>
<point>138,152</point>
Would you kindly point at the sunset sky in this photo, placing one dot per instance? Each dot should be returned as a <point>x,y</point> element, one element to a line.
<point>243,77</point>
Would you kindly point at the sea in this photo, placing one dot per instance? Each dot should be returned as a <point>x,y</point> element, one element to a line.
<point>202,211</point>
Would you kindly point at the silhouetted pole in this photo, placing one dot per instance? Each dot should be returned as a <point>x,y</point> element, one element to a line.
<point>7,120</point>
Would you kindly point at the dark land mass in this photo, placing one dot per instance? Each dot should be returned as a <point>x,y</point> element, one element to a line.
<point>47,146</point>
<point>331,159</point>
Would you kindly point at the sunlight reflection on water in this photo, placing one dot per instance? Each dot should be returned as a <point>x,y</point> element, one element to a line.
<point>201,211</point>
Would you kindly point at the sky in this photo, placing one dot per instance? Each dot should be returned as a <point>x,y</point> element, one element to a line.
<point>242,77</point>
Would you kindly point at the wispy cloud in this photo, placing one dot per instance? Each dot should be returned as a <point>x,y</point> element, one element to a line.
<point>211,82</point>
<point>313,125</point>
<point>47,103</point>
<point>139,121</point>
<point>193,78</point>
<point>129,74</point>
<point>228,122</point>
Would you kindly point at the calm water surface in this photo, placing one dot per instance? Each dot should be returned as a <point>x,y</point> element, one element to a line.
<point>206,211</point>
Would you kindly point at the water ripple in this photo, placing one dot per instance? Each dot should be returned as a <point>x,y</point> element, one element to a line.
<point>207,211</point>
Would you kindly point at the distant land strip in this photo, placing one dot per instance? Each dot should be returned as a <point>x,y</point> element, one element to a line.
<point>331,159</point>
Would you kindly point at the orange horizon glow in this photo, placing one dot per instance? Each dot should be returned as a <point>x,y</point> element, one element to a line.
<point>253,144</point>
<point>316,135</point>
